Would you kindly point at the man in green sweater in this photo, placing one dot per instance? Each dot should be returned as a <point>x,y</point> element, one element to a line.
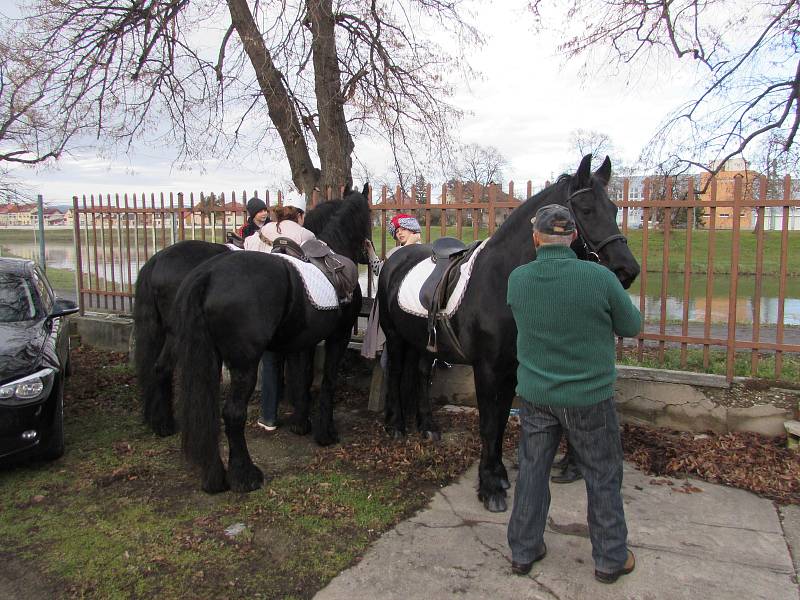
<point>567,313</point>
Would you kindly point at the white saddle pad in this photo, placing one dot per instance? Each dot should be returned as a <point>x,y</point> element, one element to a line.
<point>408,296</point>
<point>319,289</point>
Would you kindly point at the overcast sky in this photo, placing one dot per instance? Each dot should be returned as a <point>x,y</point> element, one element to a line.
<point>526,104</point>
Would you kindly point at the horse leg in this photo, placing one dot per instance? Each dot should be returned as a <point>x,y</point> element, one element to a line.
<point>243,475</point>
<point>492,478</point>
<point>324,427</point>
<point>160,415</point>
<point>394,419</point>
<point>425,422</point>
<point>505,397</point>
<point>298,382</point>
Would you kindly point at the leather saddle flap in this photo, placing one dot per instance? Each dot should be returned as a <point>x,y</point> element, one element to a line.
<point>316,249</point>
<point>283,245</point>
<point>445,247</point>
<point>440,283</point>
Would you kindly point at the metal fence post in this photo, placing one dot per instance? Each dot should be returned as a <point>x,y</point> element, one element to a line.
<point>40,208</point>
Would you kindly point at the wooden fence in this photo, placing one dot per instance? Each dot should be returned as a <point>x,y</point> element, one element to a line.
<point>707,242</point>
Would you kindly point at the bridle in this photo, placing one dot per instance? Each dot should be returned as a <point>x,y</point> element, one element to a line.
<point>592,249</point>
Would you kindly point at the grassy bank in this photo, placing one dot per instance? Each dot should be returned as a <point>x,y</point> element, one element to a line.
<point>722,251</point>
<point>31,235</point>
<point>790,371</point>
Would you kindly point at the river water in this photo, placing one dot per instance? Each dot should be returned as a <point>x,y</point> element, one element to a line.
<point>61,255</point>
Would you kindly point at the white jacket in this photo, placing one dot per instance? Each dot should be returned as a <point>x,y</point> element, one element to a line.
<point>288,229</point>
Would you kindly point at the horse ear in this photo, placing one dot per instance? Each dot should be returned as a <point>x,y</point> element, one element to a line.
<point>365,190</point>
<point>604,172</point>
<point>584,171</point>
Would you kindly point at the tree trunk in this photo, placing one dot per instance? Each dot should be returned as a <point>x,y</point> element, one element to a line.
<point>281,110</point>
<point>334,144</point>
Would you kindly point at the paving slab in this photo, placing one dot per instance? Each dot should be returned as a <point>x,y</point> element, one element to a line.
<point>692,540</point>
<point>790,521</point>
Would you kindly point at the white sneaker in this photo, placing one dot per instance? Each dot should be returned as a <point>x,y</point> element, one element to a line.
<point>267,425</point>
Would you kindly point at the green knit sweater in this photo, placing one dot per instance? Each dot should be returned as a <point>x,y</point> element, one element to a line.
<point>567,313</point>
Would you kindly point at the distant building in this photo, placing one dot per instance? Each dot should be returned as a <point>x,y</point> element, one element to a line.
<point>725,182</point>
<point>616,191</point>
<point>17,215</point>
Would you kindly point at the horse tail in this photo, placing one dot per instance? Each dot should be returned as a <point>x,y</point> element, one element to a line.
<point>149,335</point>
<point>198,365</point>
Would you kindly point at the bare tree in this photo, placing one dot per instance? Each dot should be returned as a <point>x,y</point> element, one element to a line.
<point>30,133</point>
<point>588,141</point>
<point>215,76</point>
<point>747,56</point>
<point>481,164</point>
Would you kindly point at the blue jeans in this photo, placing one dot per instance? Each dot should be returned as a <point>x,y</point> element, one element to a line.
<point>271,384</point>
<point>593,432</point>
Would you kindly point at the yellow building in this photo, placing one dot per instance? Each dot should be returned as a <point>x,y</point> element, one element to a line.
<point>726,179</point>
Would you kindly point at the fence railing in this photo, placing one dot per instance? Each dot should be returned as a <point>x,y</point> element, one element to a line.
<point>714,278</point>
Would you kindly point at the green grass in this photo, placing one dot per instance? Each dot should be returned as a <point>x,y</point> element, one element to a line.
<point>790,370</point>
<point>120,515</point>
<point>722,251</point>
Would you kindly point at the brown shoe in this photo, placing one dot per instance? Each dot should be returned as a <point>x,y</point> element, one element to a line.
<point>629,566</point>
<point>518,568</point>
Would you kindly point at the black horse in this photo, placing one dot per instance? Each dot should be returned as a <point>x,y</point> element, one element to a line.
<point>484,324</point>
<point>232,308</point>
<point>156,286</point>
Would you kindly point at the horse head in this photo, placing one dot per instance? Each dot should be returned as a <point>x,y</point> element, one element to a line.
<point>349,225</point>
<point>599,237</point>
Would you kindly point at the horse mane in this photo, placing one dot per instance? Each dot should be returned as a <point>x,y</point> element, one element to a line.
<point>519,219</point>
<point>318,217</point>
<point>342,224</point>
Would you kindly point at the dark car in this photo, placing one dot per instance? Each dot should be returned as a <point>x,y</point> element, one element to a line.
<point>34,360</point>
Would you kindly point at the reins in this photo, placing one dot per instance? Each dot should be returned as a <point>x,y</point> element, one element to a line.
<point>592,249</point>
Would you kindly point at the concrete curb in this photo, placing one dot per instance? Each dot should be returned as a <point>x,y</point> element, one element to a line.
<point>654,397</point>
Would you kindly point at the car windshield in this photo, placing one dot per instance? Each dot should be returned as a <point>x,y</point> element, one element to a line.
<point>18,299</point>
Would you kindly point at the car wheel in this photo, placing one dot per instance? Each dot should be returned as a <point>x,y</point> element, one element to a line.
<point>55,446</point>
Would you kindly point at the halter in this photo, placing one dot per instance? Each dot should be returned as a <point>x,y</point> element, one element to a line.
<point>592,249</point>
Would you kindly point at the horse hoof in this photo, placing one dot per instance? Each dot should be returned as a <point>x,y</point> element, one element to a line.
<point>247,480</point>
<point>398,436</point>
<point>504,483</point>
<point>434,436</point>
<point>216,483</point>
<point>327,439</point>
<point>165,429</point>
<point>300,428</point>
<point>495,503</point>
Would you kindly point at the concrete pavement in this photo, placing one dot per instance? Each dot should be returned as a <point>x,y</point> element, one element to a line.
<point>692,540</point>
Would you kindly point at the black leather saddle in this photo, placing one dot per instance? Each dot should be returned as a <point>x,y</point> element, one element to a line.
<point>340,270</point>
<point>448,256</point>
<point>235,239</point>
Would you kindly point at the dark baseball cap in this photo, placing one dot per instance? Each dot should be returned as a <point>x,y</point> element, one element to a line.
<point>553,219</point>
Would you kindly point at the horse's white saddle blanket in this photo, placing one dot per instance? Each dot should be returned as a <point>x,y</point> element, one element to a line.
<point>408,296</point>
<point>319,289</point>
